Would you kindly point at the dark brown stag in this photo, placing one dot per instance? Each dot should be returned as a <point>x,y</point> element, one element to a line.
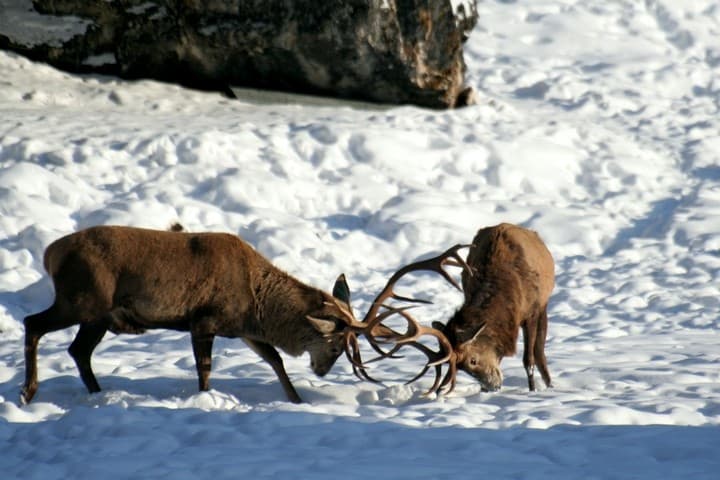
<point>127,280</point>
<point>506,287</point>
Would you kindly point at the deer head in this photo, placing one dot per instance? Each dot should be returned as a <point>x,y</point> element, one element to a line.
<point>476,355</point>
<point>334,321</point>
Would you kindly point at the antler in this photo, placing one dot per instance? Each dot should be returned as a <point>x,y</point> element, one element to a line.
<point>376,332</point>
<point>445,354</point>
<point>367,329</point>
<point>435,264</point>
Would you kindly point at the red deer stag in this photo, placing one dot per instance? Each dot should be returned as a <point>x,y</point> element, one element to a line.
<point>506,287</point>
<point>127,280</point>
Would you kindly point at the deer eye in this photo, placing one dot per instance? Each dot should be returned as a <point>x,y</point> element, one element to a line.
<point>473,361</point>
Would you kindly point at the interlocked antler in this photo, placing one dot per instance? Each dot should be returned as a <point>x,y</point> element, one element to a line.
<point>449,257</point>
<point>376,333</point>
<point>444,354</point>
<point>373,329</point>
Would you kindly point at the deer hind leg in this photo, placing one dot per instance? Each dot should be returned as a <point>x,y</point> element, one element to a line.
<point>270,355</point>
<point>36,326</point>
<point>542,325</point>
<point>81,349</point>
<point>529,330</point>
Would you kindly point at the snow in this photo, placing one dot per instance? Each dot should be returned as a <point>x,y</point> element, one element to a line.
<point>20,21</point>
<point>597,126</point>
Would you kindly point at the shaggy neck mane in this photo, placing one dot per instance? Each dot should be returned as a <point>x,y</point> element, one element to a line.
<point>495,305</point>
<point>501,333</point>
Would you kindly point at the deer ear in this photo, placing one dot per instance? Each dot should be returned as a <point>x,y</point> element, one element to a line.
<point>341,291</point>
<point>322,325</point>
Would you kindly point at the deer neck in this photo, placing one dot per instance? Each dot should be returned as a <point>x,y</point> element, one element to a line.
<point>282,303</point>
<point>494,304</point>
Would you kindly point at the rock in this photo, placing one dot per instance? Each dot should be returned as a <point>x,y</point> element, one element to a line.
<point>388,51</point>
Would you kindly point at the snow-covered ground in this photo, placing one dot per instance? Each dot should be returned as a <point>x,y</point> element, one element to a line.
<point>598,126</point>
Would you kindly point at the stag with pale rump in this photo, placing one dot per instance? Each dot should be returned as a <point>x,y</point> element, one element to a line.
<point>507,282</point>
<point>128,280</point>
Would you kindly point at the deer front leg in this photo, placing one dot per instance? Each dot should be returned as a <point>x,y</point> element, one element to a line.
<point>36,326</point>
<point>270,355</point>
<point>32,337</point>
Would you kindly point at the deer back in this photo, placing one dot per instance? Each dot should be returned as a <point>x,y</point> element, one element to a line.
<point>161,276</point>
<point>507,253</point>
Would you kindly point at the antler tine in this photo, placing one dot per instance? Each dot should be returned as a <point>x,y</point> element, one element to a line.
<point>438,369</point>
<point>415,331</point>
<point>387,332</point>
<point>434,264</point>
<point>450,377</point>
<point>387,335</point>
<point>352,352</point>
<point>352,348</point>
<point>445,354</point>
<point>452,258</point>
